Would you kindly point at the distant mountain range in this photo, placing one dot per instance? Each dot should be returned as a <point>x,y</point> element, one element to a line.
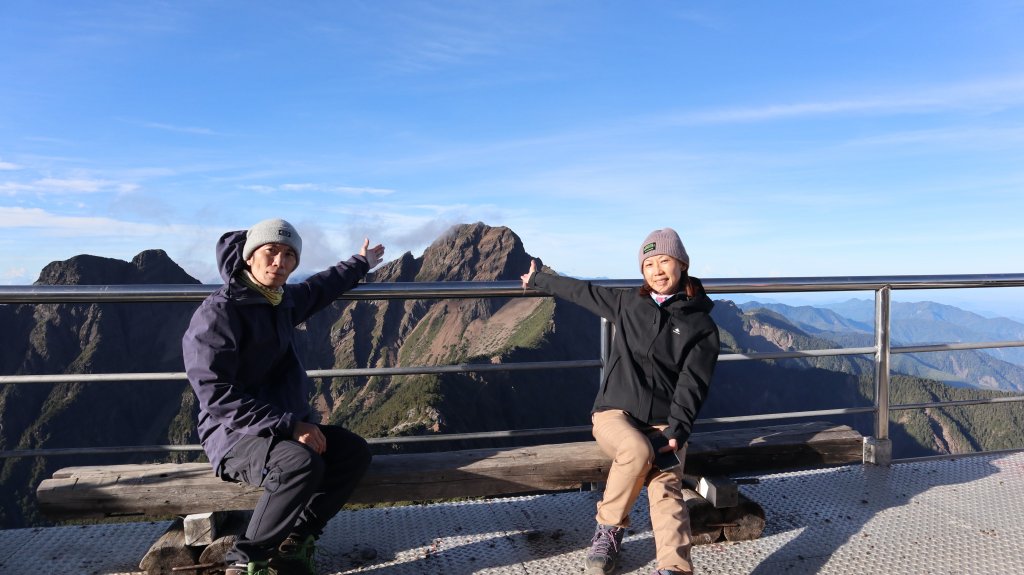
<point>111,338</point>
<point>851,324</point>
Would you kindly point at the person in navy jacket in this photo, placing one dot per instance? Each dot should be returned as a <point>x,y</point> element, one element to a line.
<point>656,379</point>
<point>255,420</point>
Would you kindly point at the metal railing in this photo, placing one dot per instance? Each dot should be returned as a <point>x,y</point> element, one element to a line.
<point>878,450</point>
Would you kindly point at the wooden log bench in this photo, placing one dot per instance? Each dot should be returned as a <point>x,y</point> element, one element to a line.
<point>190,489</point>
<point>166,489</point>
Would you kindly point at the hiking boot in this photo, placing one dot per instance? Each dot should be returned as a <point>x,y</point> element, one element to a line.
<point>604,550</point>
<point>250,568</point>
<point>295,556</point>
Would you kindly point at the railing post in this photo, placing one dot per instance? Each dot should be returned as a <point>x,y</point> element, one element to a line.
<point>607,331</point>
<point>878,449</point>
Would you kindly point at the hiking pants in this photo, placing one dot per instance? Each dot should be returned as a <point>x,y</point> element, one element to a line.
<point>625,440</point>
<point>302,490</point>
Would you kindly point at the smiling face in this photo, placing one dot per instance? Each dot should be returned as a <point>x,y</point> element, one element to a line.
<point>663,274</point>
<point>271,264</point>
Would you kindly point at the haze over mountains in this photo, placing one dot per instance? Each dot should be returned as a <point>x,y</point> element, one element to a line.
<point>113,338</point>
<point>851,324</point>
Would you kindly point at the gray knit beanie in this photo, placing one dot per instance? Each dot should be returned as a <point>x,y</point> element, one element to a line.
<point>273,231</point>
<point>664,241</point>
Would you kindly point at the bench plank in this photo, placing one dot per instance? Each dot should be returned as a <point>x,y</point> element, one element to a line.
<point>181,488</point>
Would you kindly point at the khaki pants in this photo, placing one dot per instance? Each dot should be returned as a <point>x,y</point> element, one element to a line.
<point>622,438</point>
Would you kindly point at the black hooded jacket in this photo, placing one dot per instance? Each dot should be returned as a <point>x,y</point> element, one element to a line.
<point>662,357</point>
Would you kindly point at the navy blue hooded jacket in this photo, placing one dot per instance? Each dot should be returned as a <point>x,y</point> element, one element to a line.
<point>240,355</point>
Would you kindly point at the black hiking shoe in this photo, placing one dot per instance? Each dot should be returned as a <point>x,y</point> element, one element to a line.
<point>250,568</point>
<point>295,556</point>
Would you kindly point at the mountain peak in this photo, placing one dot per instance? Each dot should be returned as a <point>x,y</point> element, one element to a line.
<point>148,267</point>
<point>474,252</point>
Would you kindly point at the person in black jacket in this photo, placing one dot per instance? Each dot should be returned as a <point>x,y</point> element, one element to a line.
<point>657,377</point>
<point>255,420</point>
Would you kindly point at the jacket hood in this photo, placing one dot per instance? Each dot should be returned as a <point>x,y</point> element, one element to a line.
<point>229,254</point>
<point>699,302</point>
<point>700,297</point>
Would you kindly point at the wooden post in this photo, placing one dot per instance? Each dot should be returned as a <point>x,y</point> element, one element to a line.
<point>743,522</point>
<point>214,553</point>
<point>705,518</point>
<point>169,552</point>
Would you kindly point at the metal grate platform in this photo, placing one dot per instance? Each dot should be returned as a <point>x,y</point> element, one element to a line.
<point>954,516</point>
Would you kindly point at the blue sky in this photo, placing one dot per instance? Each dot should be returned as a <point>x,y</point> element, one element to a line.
<point>779,138</point>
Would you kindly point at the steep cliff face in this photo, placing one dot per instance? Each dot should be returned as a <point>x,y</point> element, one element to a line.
<point>91,338</point>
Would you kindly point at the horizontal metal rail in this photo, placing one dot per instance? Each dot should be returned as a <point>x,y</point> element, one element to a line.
<point>505,434</point>
<point>955,346</point>
<point>791,354</point>
<point>787,415</point>
<point>955,456</point>
<point>49,294</point>
<point>43,294</point>
<point>512,433</point>
<point>315,373</point>
<point>955,403</point>
<point>492,367</point>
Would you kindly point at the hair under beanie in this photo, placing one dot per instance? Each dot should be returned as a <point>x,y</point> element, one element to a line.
<point>664,241</point>
<point>273,231</point>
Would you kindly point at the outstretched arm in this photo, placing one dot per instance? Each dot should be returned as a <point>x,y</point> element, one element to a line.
<point>600,301</point>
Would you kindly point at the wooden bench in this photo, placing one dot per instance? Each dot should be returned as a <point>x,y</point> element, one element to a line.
<point>214,508</point>
<point>166,489</point>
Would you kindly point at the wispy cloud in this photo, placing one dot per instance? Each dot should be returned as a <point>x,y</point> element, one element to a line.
<point>13,273</point>
<point>12,188</point>
<point>81,186</point>
<point>977,136</point>
<point>259,189</point>
<point>435,36</point>
<point>327,189</point>
<point>359,190</point>
<point>199,131</point>
<point>53,225</point>
<point>9,166</point>
<point>57,225</point>
<point>298,187</point>
<point>986,95</point>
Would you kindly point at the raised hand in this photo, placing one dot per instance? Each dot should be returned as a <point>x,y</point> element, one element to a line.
<point>373,255</point>
<point>526,277</point>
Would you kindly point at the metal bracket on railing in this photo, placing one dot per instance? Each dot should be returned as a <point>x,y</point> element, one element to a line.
<point>877,451</point>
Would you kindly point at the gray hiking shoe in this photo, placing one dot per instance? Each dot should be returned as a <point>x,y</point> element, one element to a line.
<point>604,550</point>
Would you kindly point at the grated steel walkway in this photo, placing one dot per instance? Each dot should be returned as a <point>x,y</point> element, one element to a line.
<point>954,516</point>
